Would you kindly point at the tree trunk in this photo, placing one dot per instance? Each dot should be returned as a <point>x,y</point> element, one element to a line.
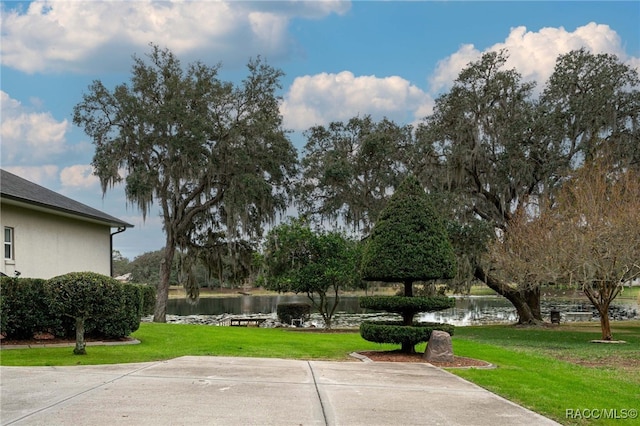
<point>407,318</point>
<point>408,348</point>
<point>522,300</point>
<point>162,294</point>
<point>532,298</point>
<point>80,348</point>
<point>408,288</point>
<point>602,305</point>
<point>605,325</point>
<point>324,310</point>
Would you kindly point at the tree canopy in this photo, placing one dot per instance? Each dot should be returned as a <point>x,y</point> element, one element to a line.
<point>492,148</point>
<point>587,236</point>
<point>319,264</point>
<point>591,104</point>
<point>349,169</point>
<point>479,141</point>
<point>213,155</point>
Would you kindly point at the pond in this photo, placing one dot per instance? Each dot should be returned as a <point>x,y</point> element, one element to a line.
<point>469,310</point>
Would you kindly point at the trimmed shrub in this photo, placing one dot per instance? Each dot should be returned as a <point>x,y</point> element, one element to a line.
<point>287,312</point>
<point>148,299</point>
<point>401,304</point>
<point>409,240</point>
<point>121,316</point>
<point>27,308</point>
<point>396,332</point>
<point>99,305</point>
<point>24,310</point>
<point>83,296</point>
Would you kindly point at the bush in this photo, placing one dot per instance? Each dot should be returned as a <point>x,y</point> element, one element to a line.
<point>409,241</point>
<point>148,299</point>
<point>400,304</point>
<point>109,308</point>
<point>24,309</point>
<point>121,316</point>
<point>27,306</point>
<point>287,312</point>
<point>395,332</point>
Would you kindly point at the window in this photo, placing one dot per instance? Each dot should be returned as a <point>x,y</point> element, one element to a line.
<point>8,243</point>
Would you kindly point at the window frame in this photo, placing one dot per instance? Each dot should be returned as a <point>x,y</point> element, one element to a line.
<point>9,244</point>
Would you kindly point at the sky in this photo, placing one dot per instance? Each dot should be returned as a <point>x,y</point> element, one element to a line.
<point>341,59</point>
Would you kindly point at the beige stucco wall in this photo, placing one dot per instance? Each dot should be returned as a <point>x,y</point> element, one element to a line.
<point>47,245</point>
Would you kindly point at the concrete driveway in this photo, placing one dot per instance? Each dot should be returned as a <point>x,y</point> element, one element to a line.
<point>251,391</point>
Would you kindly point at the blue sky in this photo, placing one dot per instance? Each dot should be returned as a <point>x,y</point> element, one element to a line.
<point>340,59</point>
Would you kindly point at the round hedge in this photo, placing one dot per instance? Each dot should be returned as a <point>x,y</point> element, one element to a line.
<point>108,307</point>
<point>400,304</point>
<point>395,332</point>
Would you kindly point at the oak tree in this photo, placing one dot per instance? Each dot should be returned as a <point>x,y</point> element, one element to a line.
<point>213,155</point>
<point>493,148</point>
<point>479,146</point>
<point>587,236</point>
<point>349,170</point>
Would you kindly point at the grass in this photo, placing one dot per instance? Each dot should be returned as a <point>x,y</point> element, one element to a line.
<point>552,370</point>
<point>481,290</point>
<point>546,369</point>
<point>166,341</point>
<point>630,293</point>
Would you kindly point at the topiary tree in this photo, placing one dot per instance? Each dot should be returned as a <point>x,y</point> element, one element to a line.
<point>83,296</point>
<point>408,243</point>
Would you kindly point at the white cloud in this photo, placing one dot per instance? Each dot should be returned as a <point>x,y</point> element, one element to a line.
<point>79,176</point>
<point>28,136</point>
<point>534,54</point>
<point>45,175</point>
<point>87,35</point>
<point>322,98</point>
<point>270,29</point>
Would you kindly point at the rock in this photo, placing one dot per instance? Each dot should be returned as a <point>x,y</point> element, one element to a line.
<point>439,348</point>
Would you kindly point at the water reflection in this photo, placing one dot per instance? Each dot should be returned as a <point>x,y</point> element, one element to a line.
<point>474,310</point>
<point>469,310</point>
<point>249,305</point>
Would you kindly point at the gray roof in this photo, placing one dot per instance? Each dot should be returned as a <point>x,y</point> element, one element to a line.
<point>15,188</point>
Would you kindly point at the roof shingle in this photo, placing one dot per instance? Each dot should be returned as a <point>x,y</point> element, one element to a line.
<point>15,188</point>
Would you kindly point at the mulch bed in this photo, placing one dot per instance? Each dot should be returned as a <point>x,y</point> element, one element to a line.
<point>397,356</point>
<point>48,339</point>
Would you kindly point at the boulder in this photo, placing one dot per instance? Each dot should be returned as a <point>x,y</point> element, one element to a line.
<point>439,348</point>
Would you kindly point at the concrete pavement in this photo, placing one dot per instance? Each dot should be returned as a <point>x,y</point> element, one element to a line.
<point>251,391</point>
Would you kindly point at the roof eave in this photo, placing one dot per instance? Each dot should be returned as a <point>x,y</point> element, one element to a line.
<point>33,205</point>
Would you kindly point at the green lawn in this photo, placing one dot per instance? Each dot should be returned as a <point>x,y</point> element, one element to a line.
<point>547,369</point>
<point>166,341</point>
<point>552,370</point>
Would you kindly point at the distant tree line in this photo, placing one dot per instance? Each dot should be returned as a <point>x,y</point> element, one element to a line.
<point>145,268</point>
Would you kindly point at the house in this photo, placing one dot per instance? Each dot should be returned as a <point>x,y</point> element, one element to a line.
<point>47,234</point>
